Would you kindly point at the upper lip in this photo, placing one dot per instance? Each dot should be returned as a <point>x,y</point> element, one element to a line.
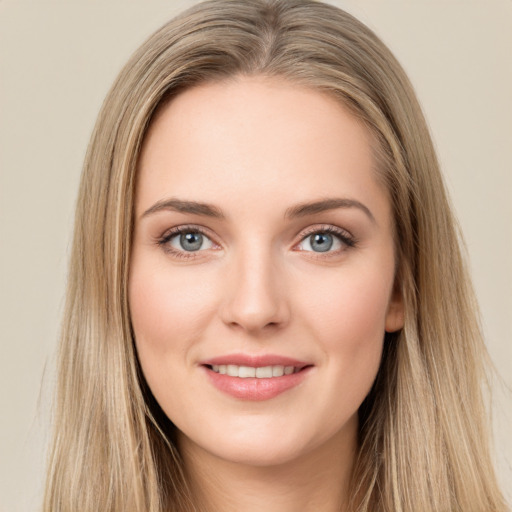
<point>255,361</point>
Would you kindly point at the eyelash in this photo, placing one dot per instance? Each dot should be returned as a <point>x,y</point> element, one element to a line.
<point>166,238</point>
<point>343,236</point>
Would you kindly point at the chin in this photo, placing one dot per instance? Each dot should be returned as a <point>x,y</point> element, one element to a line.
<point>258,445</point>
<point>260,454</point>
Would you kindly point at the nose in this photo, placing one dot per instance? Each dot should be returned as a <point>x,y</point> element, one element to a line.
<point>255,297</point>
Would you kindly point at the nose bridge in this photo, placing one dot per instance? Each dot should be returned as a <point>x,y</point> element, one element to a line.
<point>256,297</point>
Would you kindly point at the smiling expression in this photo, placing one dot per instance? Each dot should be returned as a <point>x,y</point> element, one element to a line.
<point>262,269</point>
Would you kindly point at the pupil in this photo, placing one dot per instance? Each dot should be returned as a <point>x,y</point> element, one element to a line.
<point>191,241</point>
<point>321,242</point>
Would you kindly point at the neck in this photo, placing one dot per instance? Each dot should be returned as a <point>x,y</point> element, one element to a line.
<point>315,481</point>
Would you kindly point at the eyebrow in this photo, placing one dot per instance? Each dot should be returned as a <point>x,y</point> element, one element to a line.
<point>299,210</point>
<point>303,209</point>
<point>179,205</point>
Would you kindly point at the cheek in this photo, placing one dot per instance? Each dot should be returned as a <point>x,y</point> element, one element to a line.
<point>347,317</point>
<point>168,312</point>
<point>351,308</point>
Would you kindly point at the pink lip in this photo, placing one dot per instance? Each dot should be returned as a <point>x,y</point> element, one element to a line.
<point>255,389</point>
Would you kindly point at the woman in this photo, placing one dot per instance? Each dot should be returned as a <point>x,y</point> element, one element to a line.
<point>267,307</point>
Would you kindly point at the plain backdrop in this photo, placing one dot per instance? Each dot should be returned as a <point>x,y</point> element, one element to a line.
<point>57,61</point>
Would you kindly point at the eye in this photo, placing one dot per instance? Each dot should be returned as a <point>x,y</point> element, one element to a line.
<point>326,240</point>
<point>183,240</point>
<point>190,241</point>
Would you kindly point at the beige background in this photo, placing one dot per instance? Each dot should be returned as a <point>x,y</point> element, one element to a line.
<point>57,60</point>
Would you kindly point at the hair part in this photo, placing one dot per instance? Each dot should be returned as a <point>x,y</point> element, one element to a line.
<point>423,425</point>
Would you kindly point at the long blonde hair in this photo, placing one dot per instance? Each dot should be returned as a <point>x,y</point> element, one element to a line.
<point>423,428</point>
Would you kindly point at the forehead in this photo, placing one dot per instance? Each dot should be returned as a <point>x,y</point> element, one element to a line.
<point>257,136</point>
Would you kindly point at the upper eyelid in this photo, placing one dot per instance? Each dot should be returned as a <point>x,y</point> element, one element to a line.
<point>176,230</point>
<point>320,228</point>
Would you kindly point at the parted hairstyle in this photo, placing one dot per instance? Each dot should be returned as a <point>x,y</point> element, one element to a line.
<point>423,433</point>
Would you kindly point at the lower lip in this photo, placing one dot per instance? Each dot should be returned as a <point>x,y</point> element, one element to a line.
<point>253,388</point>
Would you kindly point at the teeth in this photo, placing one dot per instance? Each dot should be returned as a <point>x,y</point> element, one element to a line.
<point>232,370</point>
<point>262,372</point>
<point>245,371</point>
<point>277,371</point>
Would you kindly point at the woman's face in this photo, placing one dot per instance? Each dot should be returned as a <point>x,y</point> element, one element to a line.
<point>262,271</point>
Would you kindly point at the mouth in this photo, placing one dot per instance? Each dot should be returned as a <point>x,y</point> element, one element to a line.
<point>255,378</point>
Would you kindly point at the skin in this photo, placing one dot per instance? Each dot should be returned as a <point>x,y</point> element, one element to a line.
<point>255,147</point>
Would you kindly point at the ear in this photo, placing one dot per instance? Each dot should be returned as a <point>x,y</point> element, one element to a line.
<point>395,313</point>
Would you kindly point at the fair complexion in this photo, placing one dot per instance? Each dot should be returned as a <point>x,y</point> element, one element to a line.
<point>284,258</point>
